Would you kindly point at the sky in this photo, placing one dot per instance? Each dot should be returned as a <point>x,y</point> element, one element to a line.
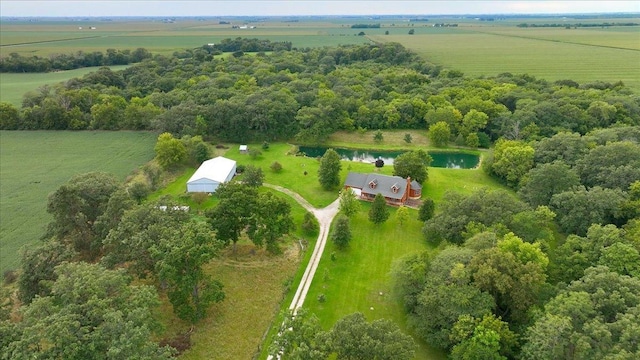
<point>303,7</point>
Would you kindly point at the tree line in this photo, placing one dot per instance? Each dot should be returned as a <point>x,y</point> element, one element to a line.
<point>308,94</point>
<point>16,63</point>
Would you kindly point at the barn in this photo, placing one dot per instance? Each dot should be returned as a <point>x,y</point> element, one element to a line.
<point>211,174</point>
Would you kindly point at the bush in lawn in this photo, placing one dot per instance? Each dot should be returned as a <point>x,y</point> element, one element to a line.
<point>199,197</point>
<point>276,167</point>
<point>310,224</point>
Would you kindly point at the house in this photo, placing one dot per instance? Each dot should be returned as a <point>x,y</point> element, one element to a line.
<point>211,174</point>
<point>395,189</point>
<point>244,149</point>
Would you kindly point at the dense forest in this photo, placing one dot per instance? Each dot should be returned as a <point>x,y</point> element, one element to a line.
<point>551,271</point>
<point>310,93</point>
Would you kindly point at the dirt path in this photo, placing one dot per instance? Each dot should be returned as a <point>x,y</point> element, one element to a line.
<point>324,216</point>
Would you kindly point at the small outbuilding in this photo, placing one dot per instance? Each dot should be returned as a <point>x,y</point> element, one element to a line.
<point>211,174</point>
<point>244,149</point>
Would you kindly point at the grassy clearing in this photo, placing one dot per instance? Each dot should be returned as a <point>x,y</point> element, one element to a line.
<point>359,279</point>
<point>35,163</point>
<point>14,86</point>
<point>579,55</point>
<point>392,140</point>
<point>256,284</point>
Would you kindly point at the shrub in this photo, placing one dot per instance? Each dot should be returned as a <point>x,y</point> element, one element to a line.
<point>276,167</point>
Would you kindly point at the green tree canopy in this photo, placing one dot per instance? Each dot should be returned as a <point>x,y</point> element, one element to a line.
<point>378,212</point>
<point>169,151</point>
<point>439,134</point>
<point>341,235</point>
<point>412,164</point>
<point>329,171</point>
<point>91,313</point>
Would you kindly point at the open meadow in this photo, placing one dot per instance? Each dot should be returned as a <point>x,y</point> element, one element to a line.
<point>35,163</point>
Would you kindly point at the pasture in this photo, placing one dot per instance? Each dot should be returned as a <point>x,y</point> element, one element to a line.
<point>14,86</point>
<point>33,164</point>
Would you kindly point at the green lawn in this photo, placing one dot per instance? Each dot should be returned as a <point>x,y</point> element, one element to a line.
<point>14,86</point>
<point>359,279</point>
<point>35,163</point>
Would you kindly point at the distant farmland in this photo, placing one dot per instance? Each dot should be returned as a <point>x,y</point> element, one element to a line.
<point>583,55</point>
<point>35,163</point>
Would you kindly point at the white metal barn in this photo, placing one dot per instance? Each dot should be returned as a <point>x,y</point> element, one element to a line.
<point>211,174</point>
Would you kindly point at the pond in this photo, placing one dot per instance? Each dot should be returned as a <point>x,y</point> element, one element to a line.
<point>451,160</point>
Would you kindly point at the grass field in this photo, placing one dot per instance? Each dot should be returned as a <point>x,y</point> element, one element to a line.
<point>582,55</point>
<point>14,86</point>
<point>33,164</point>
<point>359,278</point>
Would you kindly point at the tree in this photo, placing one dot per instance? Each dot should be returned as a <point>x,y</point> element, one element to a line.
<point>512,160</point>
<point>169,151</point>
<point>411,32</point>
<point>76,206</point>
<point>378,212</point>
<point>513,281</point>
<point>271,219</point>
<point>594,318</point>
<point>9,116</point>
<point>349,204</point>
<point>329,171</point>
<point>487,337</point>
<point>138,232</point>
<point>579,208</point>
<point>234,211</point>
<point>615,165</point>
<point>180,256</point>
<point>378,136</point>
<point>341,235</point>
<point>91,313</point>
<point>546,180</point>
<point>426,209</point>
<point>253,176</point>
<point>412,164</point>
<point>109,113</point>
<point>408,138</point>
<point>563,146</point>
<point>483,208</point>
<point>300,337</point>
<point>352,337</point>
<point>439,134</point>
<point>38,265</point>
<point>402,214</point>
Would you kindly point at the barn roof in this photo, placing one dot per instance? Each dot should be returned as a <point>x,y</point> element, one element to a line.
<point>216,169</point>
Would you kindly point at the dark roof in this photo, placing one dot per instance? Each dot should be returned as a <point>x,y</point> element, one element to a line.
<point>385,184</point>
<point>415,185</point>
<point>356,180</point>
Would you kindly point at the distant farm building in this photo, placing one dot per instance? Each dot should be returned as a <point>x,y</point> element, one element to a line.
<point>211,174</point>
<point>395,189</point>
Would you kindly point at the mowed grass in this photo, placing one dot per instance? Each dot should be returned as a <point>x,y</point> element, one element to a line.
<point>359,279</point>
<point>34,164</point>
<point>556,57</point>
<point>13,86</point>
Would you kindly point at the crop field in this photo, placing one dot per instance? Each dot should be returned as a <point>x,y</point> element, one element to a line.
<point>33,164</point>
<point>14,86</point>
<point>583,55</point>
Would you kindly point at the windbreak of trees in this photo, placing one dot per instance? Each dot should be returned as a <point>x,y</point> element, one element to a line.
<point>16,63</point>
<point>310,93</point>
